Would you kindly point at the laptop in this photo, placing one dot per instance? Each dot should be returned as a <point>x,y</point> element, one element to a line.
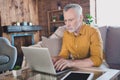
<point>40,60</point>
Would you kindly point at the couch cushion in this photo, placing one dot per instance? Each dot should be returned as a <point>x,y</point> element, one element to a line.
<point>3,59</point>
<point>103,31</point>
<point>53,44</point>
<point>114,66</point>
<point>58,33</point>
<point>113,46</point>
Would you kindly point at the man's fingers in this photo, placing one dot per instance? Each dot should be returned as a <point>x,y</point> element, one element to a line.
<point>62,68</point>
<point>58,64</point>
<point>61,64</point>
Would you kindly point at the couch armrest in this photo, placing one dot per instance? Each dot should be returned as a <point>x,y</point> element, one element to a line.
<point>104,65</point>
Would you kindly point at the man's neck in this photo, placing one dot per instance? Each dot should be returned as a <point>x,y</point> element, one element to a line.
<point>77,31</point>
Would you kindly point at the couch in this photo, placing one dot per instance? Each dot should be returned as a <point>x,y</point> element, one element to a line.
<point>111,44</point>
<point>8,55</point>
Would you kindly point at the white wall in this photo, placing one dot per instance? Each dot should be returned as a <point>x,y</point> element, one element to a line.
<point>108,12</point>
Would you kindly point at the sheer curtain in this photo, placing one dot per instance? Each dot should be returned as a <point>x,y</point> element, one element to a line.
<point>108,12</point>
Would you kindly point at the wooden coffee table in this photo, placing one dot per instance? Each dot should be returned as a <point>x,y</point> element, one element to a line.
<point>28,74</point>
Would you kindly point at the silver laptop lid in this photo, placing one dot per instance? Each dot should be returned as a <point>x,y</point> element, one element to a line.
<point>39,59</point>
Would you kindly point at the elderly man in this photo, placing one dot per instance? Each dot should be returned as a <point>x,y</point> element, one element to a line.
<point>82,43</point>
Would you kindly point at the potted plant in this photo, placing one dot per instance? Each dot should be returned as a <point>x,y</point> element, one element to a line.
<point>54,18</point>
<point>88,19</point>
<point>16,71</point>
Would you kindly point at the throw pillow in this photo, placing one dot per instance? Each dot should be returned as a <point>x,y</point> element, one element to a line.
<point>53,45</point>
<point>103,31</point>
<point>58,33</point>
<point>113,45</point>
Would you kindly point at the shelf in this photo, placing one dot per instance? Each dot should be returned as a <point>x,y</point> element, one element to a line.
<point>57,22</point>
<point>12,29</point>
<point>55,11</point>
<point>55,18</point>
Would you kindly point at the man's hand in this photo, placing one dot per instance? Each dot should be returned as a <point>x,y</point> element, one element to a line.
<point>62,63</point>
<point>55,58</point>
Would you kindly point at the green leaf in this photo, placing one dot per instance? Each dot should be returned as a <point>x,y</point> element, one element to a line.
<point>89,19</point>
<point>16,67</point>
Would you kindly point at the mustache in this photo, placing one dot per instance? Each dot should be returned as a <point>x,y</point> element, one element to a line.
<point>68,27</point>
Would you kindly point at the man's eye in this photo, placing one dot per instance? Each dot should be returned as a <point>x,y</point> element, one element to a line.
<point>68,20</point>
<point>71,19</point>
<point>65,21</point>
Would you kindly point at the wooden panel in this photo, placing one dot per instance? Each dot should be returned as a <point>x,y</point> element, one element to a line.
<point>18,11</point>
<point>33,8</point>
<point>26,10</point>
<point>12,12</point>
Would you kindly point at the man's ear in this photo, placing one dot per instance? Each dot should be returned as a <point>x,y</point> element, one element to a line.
<point>81,18</point>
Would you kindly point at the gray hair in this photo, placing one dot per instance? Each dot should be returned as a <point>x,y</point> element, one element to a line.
<point>76,7</point>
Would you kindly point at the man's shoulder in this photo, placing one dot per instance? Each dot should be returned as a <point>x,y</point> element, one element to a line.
<point>91,27</point>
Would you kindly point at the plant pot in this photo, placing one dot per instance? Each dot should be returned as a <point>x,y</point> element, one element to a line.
<point>16,73</point>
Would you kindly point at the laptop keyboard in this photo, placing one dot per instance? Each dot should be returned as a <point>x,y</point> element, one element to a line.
<point>58,71</point>
<point>67,69</point>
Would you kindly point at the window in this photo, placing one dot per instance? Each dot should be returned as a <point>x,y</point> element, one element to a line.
<point>107,12</point>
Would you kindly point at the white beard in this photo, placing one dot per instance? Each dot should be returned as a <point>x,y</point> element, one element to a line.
<point>73,29</point>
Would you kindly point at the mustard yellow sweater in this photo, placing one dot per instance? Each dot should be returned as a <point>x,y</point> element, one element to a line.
<point>88,44</point>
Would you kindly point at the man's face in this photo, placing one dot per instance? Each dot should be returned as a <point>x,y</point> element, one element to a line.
<point>72,20</point>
